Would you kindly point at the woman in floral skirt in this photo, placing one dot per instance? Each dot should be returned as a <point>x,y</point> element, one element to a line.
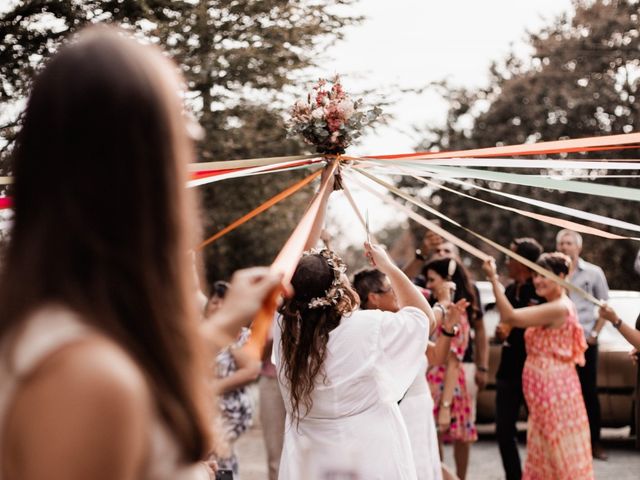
<point>235,369</point>
<point>449,282</point>
<point>558,440</point>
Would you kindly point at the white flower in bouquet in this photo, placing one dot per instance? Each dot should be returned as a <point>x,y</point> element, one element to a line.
<point>346,108</point>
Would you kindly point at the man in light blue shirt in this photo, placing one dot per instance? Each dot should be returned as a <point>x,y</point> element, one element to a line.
<point>590,278</point>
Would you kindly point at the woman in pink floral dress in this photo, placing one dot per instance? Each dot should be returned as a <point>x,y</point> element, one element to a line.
<point>558,440</point>
<point>452,403</point>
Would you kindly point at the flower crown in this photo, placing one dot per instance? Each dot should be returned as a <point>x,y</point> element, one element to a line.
<point>336,291</point>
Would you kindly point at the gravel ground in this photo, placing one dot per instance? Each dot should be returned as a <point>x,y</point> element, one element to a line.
<point>623,463</point>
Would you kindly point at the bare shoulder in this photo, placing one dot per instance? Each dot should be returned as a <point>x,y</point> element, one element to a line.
<point>95,368</point>
<point>83,412</point>
<point>560,309</point>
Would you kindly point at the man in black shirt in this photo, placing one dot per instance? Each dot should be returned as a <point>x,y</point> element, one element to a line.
<point>509,397</point>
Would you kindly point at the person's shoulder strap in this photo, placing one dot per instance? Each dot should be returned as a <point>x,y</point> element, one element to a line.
<point>46,331</point>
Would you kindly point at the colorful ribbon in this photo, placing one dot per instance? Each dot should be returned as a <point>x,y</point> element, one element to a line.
<point>508,252</point>
<point>591,217</point>
<point>286,263</point>
<point>259,209</point>
<point>558,222</point>
<point>588,188</point>
<point>606,142</point>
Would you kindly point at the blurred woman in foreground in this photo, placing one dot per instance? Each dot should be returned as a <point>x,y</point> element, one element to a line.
<point>102,371</point>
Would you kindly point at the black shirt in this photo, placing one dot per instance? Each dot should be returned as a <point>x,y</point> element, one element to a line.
<point>514,353</point>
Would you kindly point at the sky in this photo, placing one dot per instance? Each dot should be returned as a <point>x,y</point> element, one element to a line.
<point>409,43</point>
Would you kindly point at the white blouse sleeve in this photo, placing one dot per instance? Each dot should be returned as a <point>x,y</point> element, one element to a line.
<point>403,339</point>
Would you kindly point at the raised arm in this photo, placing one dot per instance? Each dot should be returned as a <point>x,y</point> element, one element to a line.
<point>632,335</point>
<point>248,291</point>
<point>548,314</point>
<point>318,224</point>
<point>248,370</point>
<point>406,292</point>
<point>449,317</point>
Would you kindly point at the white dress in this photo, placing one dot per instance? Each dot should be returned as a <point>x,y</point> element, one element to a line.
<point>372,359</point>
<point>45,332</point>
<point>417,411</point>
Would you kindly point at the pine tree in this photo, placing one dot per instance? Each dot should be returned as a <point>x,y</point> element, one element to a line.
<point>239,59</point>
<point>581,80</point>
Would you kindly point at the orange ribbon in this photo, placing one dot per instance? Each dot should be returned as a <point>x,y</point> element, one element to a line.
<point>261,208</point>
<point>606,142</point>
<point>286,263</point>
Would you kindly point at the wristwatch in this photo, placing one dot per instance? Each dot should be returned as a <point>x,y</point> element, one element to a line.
<point>420,255</point>
<point>452,333</point>
<point>593,334</point>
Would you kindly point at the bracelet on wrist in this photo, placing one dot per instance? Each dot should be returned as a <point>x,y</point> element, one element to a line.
<point>420,255</point>
<point>617,323</point>
<point>482,369</point>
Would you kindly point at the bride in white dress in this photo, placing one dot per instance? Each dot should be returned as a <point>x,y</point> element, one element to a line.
<point>342,372</point>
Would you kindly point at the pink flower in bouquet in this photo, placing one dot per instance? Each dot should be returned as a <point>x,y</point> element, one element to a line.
<point>333,116</point>
<point>321,98</point>
<point>336,91</point>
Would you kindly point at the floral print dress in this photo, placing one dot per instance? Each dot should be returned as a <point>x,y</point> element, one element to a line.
<point>236,406</point>
<point>558,439</point>
<point>462,427</point>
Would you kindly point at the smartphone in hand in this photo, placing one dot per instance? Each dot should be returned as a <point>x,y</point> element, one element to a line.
<point>224,475</point>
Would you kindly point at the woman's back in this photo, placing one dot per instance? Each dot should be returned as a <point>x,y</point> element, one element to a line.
<point>58,373</point>
<point>372,359</point>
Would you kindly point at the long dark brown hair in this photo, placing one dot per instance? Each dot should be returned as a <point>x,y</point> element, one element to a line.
<point>305,331</point>
<point>102,217</point>
<point>464,287</point>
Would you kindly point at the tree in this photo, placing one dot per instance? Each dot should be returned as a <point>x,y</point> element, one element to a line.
<point>581,80</point>
<point>239,59</point>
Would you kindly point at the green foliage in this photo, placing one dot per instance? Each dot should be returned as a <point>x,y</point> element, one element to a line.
<point>581,80</point>
<point>237,57</point>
